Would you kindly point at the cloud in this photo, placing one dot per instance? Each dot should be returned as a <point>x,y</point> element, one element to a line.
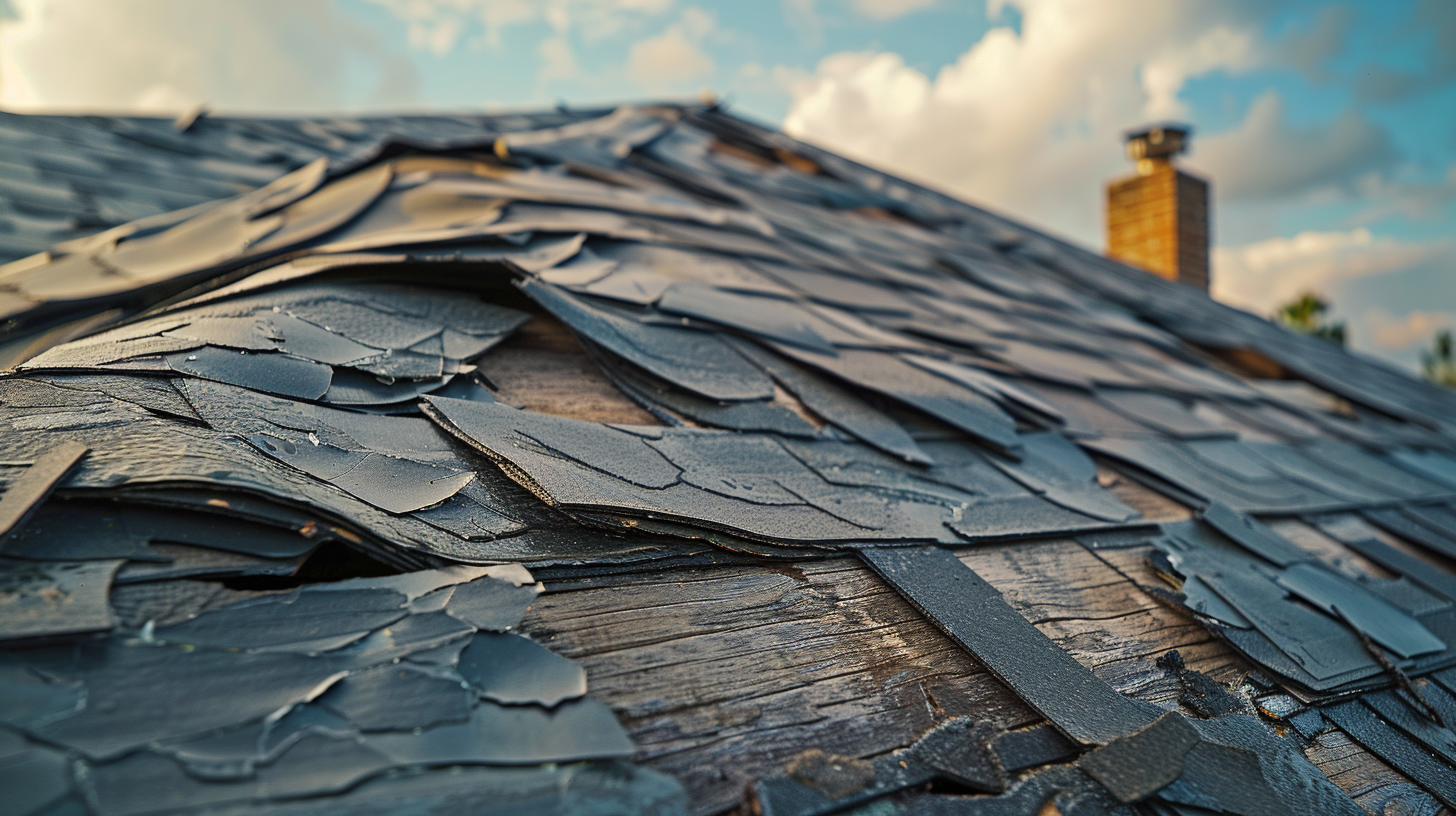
<point>1163,76</point>
<point>674,56</point>
<point>882,10</point>
<point>1265,158</point>
<point>438,26</point>
<point>1030,121</point>
<point>557,59</point>
<point>1263,275</point>
<point>1414,200</point>
<point>1414,329</point>
<point>167,55</point>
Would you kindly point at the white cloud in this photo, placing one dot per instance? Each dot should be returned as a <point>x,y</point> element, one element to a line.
<point>1164,75</point>
<point>1414,200</point>
<point>1414,329</point>
<point>881,10</point>
<point>167,55</point>
<point>557,59</point>
<point>1263,275</point>
<point>438,26</point>
<point>1032,121</point>
<point>1265,158</point>
<point>675,56</point>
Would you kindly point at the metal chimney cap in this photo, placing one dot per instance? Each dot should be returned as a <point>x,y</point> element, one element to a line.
<point>1157,141</point>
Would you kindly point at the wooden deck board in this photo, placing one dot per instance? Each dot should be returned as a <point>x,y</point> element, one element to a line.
<point>723,674</point>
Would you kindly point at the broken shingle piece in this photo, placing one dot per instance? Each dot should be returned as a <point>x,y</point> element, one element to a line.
<point>1140,764</point>
<point>490,604</point>
<point>1405,564</point>
<point>335,204</point>
<point>890,376</point>
<point>124,709</point>
<point>1253,535</point>
<point>314,765</point>
<point>1217,470</point>
<point>398,697</point>
<point>835,404</point>
<point>696,361</point>
<point>400,485</point>
<point>1372,615</point>
<point>1168,415</point>
<point>155,394</point>
<point>738,483</point>
<point>1320,650</point>
<point>223,233</point>
<point>269,372</point>
<point>660,397</point>
<point>364,345</point>
<point>58,533</point>
<point>1423,535</point>
<point>24,494</point>
<point>401,465</point>
<point>513,670</point>
<point>168,562</point>
<point>1059,471</point>
<point>991,386</point>
<point>77,530</point>
<point>767,317</point>
<point>308,620</point>
<point>48,598</point>
<point>615,453</point>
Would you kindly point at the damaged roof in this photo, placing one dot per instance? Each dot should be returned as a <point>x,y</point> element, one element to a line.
<point>646,460</point>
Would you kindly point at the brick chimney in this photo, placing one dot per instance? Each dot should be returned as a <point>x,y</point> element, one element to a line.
<point>1158,219</point>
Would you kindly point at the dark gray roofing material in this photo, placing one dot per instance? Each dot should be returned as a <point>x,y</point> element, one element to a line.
<point>840,361</point>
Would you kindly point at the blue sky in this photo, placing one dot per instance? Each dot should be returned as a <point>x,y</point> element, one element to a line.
<point>1328,130</point>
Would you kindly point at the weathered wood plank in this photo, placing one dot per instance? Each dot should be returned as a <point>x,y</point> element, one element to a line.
<point>722,674</point>
<point>1376,786</point>
<point>1091,606</point>
<point>543,368</point>
<point>1055,579</point>
<point>1327,549</point>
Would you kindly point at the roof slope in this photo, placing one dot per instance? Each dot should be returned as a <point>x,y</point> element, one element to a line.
<point>326,435</point>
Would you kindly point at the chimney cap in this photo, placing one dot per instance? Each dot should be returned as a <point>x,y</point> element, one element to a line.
<point>1160,141</point>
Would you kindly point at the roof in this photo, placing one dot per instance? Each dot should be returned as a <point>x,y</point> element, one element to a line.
<point>638,458</point>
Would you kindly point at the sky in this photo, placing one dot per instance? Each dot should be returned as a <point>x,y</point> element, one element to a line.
<point>1328,130</point>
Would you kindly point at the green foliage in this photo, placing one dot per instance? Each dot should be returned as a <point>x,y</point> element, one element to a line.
<point>1307,315</point>
<point>1437,364</point>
